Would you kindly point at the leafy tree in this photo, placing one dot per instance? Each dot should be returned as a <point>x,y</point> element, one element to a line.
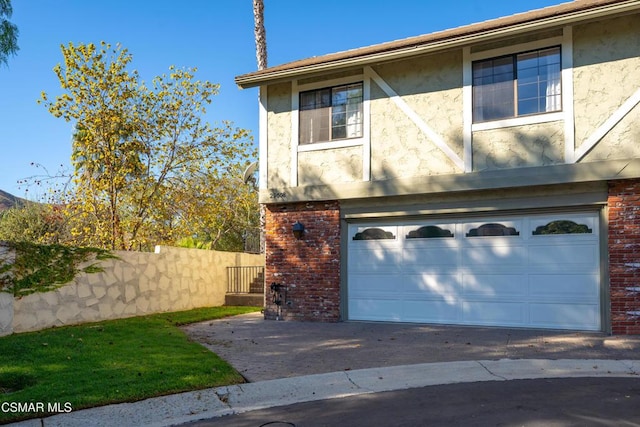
<point>142,154</point>
<point>8,32</point>
<point>234,211</point>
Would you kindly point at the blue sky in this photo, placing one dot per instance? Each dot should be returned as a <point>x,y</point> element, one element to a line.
<point>216,36</point>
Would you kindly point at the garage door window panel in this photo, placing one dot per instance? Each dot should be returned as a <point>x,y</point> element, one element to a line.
<point>374,249</point>
<point>429,232</point>
<point>561,227</point>
<point>374,234</point>
<point>492,230</point>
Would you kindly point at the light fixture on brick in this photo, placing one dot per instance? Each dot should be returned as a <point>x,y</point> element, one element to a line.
<point>298,230</point>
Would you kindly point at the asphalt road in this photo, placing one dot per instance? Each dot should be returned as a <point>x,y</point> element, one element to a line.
<point>540,402</point>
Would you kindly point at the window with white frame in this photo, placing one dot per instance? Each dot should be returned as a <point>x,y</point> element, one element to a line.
<point>330,114</point>
<point>517,85</point>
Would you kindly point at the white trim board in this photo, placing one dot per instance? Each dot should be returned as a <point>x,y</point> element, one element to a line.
<point>262,139</point>
<point>605,127</point>
<point>295,117</point>
<point>416,119</point>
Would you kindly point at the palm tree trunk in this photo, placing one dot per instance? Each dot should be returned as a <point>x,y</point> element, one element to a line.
<point>261,56</point>
<point>260,34</point>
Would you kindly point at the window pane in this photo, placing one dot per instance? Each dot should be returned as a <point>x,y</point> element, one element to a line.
<point>502,65</point>
<point>347,112</point>
<point>493,89</point>
<point>528,91</point>
<point>315,99</point>
<point>314,125</point>
<point>527,61</point>
<point>550,72</point>
<point>339,96</point>
<point>330,113</point>
<point>307,100</point>
<point>338,132</point>
<point>550,56</point>
<point>354,121</point>
<point>535,83</point>
<point>528,73</point>
<point>339,117</point>
<point>493,101</point>
<point>542,69</point>
<point>528,106</point>
<point>355,93</point>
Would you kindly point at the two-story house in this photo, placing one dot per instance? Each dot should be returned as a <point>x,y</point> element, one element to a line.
<point>484,175</point>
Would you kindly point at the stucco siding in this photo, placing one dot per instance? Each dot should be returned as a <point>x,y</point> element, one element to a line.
<point>521,146</point>
<point>330,166</point>
<point>621,142</point>
<point>398,142</point>
<point>606,74</point>
<point>432,87</point>
<point>279,135</point>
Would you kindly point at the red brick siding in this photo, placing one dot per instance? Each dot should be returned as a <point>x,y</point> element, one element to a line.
<point>309,268</point>
<point>624,256</point>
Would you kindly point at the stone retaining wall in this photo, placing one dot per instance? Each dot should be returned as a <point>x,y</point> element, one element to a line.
<point>135,284</point>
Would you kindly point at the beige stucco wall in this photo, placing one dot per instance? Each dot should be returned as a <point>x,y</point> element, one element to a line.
<point>138,283</point>
<point>432,87</point>
<point>279,135</point>
<point>606,61</point>
<point>621,142</point>
<point>519,146</point>
<point>330,166</point>
<point>606,74</point>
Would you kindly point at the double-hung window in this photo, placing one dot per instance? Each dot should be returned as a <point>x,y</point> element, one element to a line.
<point>330,114</point>
<point>517,85</point>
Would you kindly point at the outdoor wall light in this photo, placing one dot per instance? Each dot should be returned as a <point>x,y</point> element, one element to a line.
<point>298,230</point>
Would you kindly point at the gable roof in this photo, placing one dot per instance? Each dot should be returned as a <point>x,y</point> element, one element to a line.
<point>545,18</point>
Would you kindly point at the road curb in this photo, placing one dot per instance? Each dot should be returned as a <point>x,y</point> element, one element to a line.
<point>216,402</point>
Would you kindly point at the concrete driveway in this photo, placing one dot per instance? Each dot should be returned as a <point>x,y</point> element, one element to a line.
<point>266,349</point>
<point>312,366</point>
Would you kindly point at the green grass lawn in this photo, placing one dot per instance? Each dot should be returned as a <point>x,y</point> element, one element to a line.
<point>107,362</point>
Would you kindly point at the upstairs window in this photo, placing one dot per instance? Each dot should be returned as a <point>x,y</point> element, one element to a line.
<point>331,114</point>
<point>517,85</point>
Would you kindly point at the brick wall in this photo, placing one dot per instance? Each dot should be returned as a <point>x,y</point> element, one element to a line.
<point>308,268</point>
<point>624,256</point>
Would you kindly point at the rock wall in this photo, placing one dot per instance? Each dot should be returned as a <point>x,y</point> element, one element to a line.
<point>135,284</point>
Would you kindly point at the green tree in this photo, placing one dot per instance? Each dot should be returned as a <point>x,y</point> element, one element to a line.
<point>140,153</point>
<point>234,211</point>
<point>8,32</point>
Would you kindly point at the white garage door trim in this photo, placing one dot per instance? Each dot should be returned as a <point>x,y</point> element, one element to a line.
<point>467,274</point>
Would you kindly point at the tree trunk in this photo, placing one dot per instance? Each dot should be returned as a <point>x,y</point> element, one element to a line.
<point>260,34</point>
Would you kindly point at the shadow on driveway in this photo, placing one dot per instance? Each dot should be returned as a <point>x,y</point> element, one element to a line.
<point>267,349</point>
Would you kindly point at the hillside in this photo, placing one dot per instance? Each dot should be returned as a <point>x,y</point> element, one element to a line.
<point>8,200</point>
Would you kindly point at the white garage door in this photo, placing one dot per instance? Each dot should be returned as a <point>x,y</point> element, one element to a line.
<point>538,271</point>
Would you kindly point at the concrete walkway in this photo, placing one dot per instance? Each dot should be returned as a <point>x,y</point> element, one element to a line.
<point>326,361</point>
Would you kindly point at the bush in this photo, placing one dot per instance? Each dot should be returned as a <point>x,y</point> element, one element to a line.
<point>32,222</point>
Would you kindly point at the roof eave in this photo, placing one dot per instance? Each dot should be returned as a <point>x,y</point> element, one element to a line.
<point>253,80</point>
